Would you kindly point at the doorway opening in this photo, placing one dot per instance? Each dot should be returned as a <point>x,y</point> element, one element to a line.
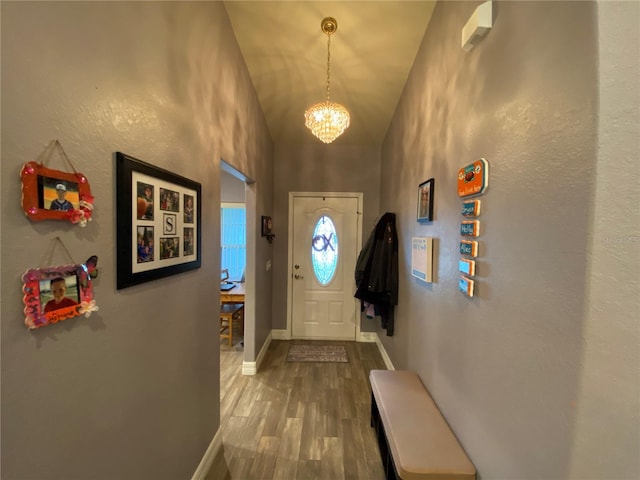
<point>237,261</point>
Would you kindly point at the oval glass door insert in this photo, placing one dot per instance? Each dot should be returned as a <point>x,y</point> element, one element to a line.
<point>324,250</point>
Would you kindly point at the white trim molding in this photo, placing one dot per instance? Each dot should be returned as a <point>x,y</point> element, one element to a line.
<point>384,354</point>
<point>281,334</point>
<point>368,337</point>
<point>251,368</point>
<point>209,456</point>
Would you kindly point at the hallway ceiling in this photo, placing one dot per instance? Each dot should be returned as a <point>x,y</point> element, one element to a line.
<point>371,55</point>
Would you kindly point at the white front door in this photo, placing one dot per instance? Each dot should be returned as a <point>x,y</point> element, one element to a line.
<point>324,249</point>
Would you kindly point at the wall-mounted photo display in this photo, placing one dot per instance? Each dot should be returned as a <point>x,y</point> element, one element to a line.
<point>158,218</point>
<point>425,201</point>
<point>267,225</point>
<point>49,194</point>
<point>58,293</point>
<point>473,180</point>
<point>267,228</point>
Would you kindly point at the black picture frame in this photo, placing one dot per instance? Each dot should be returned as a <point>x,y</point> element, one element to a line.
<point>425,201</point>
<point>140,208</point>
<point>267,226</point>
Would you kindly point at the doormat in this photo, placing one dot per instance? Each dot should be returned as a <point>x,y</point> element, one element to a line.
<point>318,353</point>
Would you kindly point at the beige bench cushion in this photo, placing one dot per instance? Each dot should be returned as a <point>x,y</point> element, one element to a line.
<point>421,442</point>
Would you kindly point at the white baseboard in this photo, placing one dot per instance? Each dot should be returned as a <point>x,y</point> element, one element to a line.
<point>384,354</point>
<point>209,457</point>
<point>367,337</point>
<point>251,368</point>
<point>281,334</point>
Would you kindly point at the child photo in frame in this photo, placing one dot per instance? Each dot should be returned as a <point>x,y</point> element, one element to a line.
<point>59,292</point>
<point>425,201</point>
<point>169,200</point>
<point>145,244</point>
<point>188,208</point>
<point>267,226</point>
<point>144,201</point>
<point>188,241</point>
<point>55,194</point>
<point>49,194</point>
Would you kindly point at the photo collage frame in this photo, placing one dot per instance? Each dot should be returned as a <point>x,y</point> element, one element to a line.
<point>158,222</point>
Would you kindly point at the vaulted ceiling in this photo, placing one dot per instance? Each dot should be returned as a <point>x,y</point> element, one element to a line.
<point>371,55</point>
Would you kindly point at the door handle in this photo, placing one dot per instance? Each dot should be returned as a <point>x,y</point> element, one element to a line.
<point>298,277</point>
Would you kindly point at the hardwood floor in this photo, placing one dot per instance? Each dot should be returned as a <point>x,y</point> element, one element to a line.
<point>298,420</point>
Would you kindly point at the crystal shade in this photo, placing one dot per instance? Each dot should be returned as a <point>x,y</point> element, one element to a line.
<point>327,120</point>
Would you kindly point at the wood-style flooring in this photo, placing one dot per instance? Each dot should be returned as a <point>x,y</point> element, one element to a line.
<point>298,420</point>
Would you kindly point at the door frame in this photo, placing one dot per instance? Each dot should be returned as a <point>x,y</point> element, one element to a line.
<point>292,196</point>
<point>249,354</point>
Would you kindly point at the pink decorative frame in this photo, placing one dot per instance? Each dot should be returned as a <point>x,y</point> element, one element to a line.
<point>35,317</point>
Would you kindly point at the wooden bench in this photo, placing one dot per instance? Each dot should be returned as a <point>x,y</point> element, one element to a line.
<point>414,439</point>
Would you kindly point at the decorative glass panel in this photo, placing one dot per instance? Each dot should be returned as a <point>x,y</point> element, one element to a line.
<point>324,250</point>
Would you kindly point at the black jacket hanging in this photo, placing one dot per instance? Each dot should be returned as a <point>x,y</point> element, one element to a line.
<point>377,270</point>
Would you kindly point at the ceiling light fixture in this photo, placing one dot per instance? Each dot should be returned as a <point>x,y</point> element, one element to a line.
<point>327,120</point>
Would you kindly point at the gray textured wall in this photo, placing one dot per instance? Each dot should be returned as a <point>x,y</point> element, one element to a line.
<point>318,168</point>
<point>607,424</point>
<point>231,188</point>
<point>506,366</point>
<point>133,391</point>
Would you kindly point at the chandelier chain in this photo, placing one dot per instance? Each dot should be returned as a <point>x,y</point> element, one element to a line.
<point>327,120</point>
<point>328,66</point>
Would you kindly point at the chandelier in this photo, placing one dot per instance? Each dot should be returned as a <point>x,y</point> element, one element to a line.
<point>327,120</point>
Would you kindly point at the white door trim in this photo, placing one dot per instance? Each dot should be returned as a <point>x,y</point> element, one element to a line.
<point>292,195</point>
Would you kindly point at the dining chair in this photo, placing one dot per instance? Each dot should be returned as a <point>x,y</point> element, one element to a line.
<point>230,314</point>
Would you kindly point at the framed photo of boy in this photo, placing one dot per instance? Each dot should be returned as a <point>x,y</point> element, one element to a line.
<point>151,201</point>
<point>267,226</point>
<point>49,194</point>
<point>425,201</point>
<point>54,294</point>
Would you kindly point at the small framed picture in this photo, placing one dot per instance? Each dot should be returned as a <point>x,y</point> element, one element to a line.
<point>49,194</point>
<point>58,293</point>
<point>267,226</point>
<point>425,201</point>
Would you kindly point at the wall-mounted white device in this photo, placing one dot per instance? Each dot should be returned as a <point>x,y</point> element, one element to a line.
<point>477,27</point>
